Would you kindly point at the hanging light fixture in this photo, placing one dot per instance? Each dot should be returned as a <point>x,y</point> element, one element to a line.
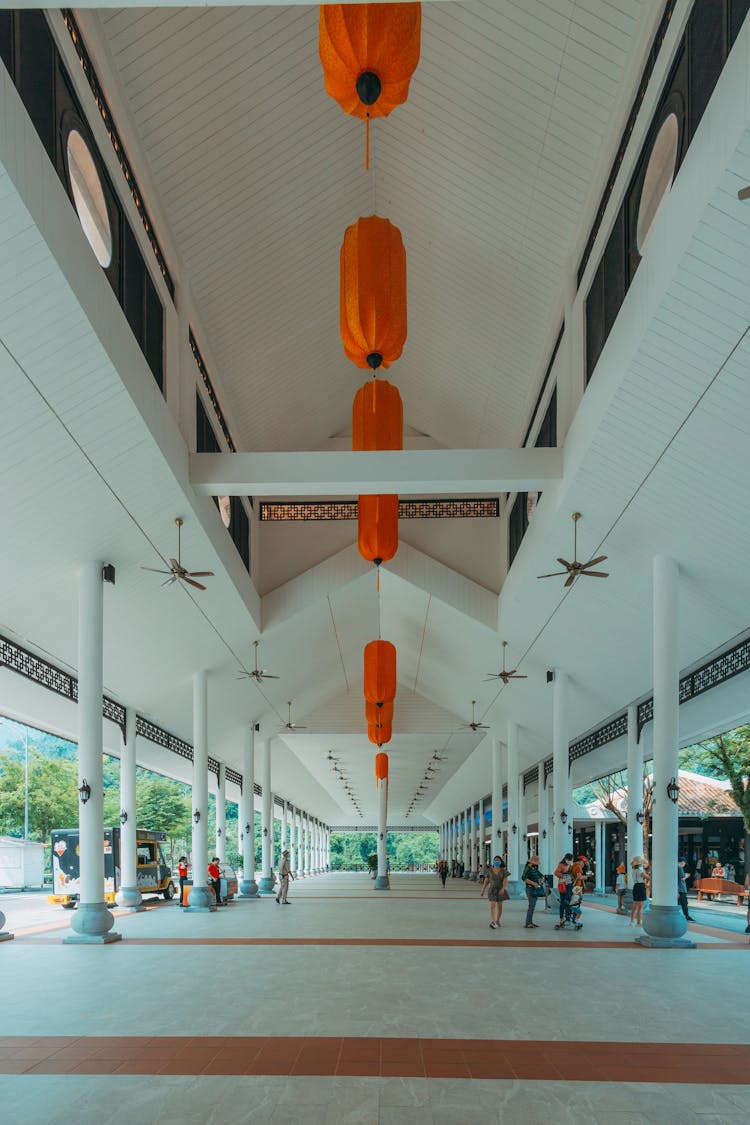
<point>380,672</point>
<point>379,735</point>
<point>377,417</point>
<point>378,528</point>
<point>377,716</point>
<point>372,293</point>
<point>369,53</point>
<point>381,767</point>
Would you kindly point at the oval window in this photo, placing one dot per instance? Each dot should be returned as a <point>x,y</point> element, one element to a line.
<point>225,510</point>
<point>658,178</point>
<point>88,196</point>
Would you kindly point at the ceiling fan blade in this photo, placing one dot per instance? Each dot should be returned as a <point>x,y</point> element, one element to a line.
<point>168,582</point>
<point>594,562</point>
<point>155,571</point>
<point>595,573</point>
<point>492,676</point>
<point>190,582</point>
<point>175,564</point>
<point>571,579</point>
<point>567,565</point>
<point>555,574</point>
<point>201,573</point>
<point>268,676</point>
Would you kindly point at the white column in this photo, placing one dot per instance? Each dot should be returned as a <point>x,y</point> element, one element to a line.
<point>497,799</point>
<point>300,845</point>
<point>665,922</point>
<point>316,846</point>
<point>248,886</point>
<point>265,887</point>
<point>381,882</point>
<point>292,838</point>
<point>522,826</point>
<point>561,794</point>
<point>199,898</point>
<point>474,843</point>
<point>479,862</point>
<point>92,920</point>
<point>544,825</point>
<point>308,869</point>
<point>128,897</point>
<point>600,858</point>
<point>514,829</point>
<point>221,814</point>
<point>282,837</point>
<point>635,786</point>
<point>328,849</point>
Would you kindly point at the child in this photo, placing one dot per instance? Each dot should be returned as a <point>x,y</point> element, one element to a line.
<point>621,885</point>
<point>575,905</point>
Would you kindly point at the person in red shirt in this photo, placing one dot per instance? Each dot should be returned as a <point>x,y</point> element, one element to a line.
<point>214,874</point>
<point>182,871</point>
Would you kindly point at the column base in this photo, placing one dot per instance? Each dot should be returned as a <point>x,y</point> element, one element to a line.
<point>91,924</point>
<point>665,943</point>
<point>248,888</point>
<point>5,936</point>
<point>664,927</point>
<point>129,898</point>
<point>515,888</point>
<point>265,886</point>
<point>381,883</point>
<point>473,876</point>
<point>199,901</point>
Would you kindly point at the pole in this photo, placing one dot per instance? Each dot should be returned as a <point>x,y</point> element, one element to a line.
<point>199,898</point>
<point>248,886</point>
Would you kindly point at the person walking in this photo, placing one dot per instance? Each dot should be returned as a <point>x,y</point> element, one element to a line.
<point>182,871</point>
<point>564,876</point>
<point>443,871</point>
<point>534,881</point>
<point>214,874</point>
<point>494,882</point>
<point>682,898</point>
<point>285,874</point>
<point>638,886</point>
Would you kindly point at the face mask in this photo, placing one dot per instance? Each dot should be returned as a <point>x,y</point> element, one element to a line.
<point>495,864</point>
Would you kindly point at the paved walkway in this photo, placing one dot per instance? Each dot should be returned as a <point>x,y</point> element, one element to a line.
<point>357,1006</point>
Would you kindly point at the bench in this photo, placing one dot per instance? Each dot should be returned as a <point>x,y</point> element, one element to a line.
<point>712,886</point>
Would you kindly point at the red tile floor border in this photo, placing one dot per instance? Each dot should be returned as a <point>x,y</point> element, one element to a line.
<point>407,1058</point>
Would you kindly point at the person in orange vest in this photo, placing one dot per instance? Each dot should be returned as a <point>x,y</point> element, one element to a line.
<point>214,874</point>
<point>182,871</point>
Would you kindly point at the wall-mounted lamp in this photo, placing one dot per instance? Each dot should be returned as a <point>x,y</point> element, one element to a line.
<point>242,836</point>
<point>123,817</point>
<point>514,829</point>
<point>544,833</point>
<point>563,817</point>
<point>218,832</point>
<point>640,816</point>
<point>499,833</point>
<point>381,835</point>
<point>84,791</point>
<point>196,817</point>
<point>673,790</point>
<point>247,829</point>
<point>265,831</point>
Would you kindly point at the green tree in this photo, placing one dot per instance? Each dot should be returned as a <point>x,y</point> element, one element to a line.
<point>726,756</point>
<point>53,795</point>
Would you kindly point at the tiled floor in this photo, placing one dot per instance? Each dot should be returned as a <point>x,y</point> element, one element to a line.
<point>371,1008</point>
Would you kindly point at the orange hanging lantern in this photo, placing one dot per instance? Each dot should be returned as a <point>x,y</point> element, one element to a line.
<point>381,767</point>
<point>378,528</point>
<point>372,294</point>
<point>380,672</point>
<point>369,53</point>
<point>377,417</point>
<point>378,716</point>
<point>380,735</point>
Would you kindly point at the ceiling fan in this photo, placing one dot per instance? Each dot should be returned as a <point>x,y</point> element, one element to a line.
<point>575,569</point>
<point>474,725</point>
<point>289,725</point>
<point>177,572</point>
<point>503,675</point>
<point>258,674</point>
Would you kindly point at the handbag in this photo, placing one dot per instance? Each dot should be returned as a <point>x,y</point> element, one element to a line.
<point>504,896</point>
<point>537,892</point>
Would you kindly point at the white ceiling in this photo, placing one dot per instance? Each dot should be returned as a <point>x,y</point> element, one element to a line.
<point>487,171</point>
<point>658,458</point>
